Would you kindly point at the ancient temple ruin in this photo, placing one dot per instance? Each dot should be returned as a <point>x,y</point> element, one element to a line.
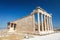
<point>39,21</point>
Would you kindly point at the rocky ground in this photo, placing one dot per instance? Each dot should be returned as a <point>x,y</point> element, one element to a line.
<point>54,36</point>
<point>4,35</point>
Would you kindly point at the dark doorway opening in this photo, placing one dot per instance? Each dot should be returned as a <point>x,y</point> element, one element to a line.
<point>14,26</point>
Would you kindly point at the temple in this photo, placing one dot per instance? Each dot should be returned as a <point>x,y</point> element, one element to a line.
<point>39,22</point>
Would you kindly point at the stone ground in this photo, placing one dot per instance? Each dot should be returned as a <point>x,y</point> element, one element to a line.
<point>54,36</point>
<point>21,35</point>
<point>11,36</point>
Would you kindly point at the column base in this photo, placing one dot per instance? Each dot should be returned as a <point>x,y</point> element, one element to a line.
<point>11,30</point>
<point>46,32</point>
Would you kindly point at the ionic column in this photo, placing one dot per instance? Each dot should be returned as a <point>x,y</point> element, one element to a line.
<point>13,25</point>
<point>38,22</point>
<point>45,21</point>
<point>51,23</point>
<point>42,22</point>
<point>48,22</point>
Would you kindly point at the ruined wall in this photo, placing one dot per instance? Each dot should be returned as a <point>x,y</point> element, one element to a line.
<point>25,24</point>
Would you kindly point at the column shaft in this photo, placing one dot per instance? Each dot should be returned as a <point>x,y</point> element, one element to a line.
<point>51,23</point>
<point>42,22</point>
<point>9,25</point>
<point>45,21</point>
<point>38,22</point>
<point>48,22</point>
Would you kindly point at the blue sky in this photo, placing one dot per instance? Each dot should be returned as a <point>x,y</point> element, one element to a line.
<point>11,10</point>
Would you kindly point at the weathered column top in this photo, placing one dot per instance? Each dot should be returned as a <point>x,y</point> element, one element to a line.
<point>40,10</point>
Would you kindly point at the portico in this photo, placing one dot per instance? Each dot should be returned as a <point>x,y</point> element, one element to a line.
<point>44,22</point>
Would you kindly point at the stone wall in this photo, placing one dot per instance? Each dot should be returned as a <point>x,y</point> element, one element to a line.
<point>25,24</point>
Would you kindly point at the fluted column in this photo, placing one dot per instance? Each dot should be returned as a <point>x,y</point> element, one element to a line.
<point>38,22</point>
<point>51,23</point>
<point>13,25</point>
<point>45,21</point>
<point>48,23</point>
<point>42,22</point>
